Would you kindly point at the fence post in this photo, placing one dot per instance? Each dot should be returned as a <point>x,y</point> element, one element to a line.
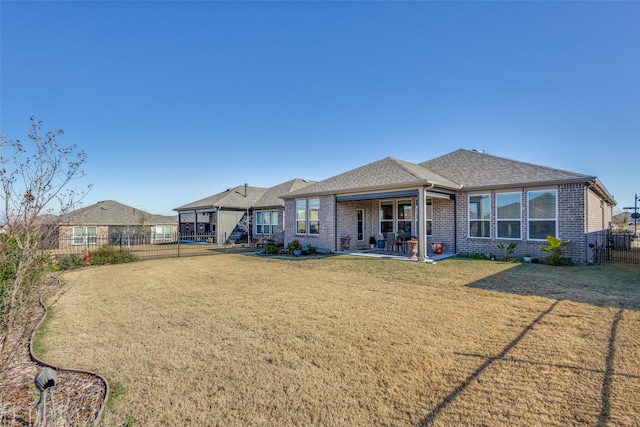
<point>179,238</point>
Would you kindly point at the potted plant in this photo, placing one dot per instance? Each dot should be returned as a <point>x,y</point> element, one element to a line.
<point>372,242</point>
<point>294,248</point>
<point>527,258</point>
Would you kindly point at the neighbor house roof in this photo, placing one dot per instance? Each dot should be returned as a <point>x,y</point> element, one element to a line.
<point>386,173</point>
<point>240,197</point>
<point>110,212</point>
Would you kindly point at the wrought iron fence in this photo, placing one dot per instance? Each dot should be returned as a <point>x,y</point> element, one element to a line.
<point>151,246</point>
<point>623,247</point>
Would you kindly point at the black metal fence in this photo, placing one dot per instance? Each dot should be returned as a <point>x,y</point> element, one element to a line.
<point>623,247</point>
<point>152,247</point>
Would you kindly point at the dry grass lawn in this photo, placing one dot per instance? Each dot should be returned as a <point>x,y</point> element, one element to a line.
<point>346,341</point>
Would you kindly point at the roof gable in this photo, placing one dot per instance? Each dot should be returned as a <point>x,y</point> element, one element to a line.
<point>271,197</point>
<point>240,197</point>
<point>472,168</point>
<point>110,212</point>
<point>386,173</point>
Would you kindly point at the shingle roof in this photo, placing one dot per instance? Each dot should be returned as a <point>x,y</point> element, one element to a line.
<point>233,198</point>
<point>386,173</point>
<point>110,212</point>
<point>271,197</point>
<point>476,169</point>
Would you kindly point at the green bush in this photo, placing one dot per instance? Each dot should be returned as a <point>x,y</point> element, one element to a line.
<point>108,254</point>
<point>292,246</point>
<point>69,262</point>
<point>271,249</point>
<point>555,249</point>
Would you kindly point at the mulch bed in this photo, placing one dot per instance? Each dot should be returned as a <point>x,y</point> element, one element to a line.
<point>78,396</point>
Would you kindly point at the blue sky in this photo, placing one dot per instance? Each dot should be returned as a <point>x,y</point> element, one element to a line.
<point>176,101</point>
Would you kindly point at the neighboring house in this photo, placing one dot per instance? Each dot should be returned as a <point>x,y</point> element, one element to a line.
<point>112,222</point>
<point>468,200</point>
<point>237,214</point>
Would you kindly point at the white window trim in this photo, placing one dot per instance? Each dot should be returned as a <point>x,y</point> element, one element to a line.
<point>85,235</point>
<point>483,220</point>
<point>307,219</point>
<point>533,190</point>
<point>498,219</point>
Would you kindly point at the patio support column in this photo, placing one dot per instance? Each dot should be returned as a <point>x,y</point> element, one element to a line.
<point>422,231</point>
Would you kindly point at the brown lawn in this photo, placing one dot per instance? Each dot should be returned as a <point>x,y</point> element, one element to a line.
<point>343,341</point>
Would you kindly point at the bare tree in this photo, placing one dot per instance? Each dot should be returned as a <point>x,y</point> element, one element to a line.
<point>34,178</point>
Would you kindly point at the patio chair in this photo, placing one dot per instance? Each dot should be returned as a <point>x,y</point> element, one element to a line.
<point>391,241</point>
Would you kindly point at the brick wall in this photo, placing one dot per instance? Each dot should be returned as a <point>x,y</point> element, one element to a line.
<point>326,238</point>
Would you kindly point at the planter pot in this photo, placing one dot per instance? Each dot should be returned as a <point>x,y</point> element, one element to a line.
<point>297,253</point>
<point>413,249</point>
<point>381,244</point>
<point>346,242</point>
<point>527,259</point>
<point>372,246</point>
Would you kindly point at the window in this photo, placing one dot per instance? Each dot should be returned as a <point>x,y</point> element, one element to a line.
<point>308,216</point>
<point>405,217</point>
<point>509,215</point>
<point>267,222</point>
<point>428,216</point>
<point>274,222</point>
<point>258,222</point>
<point>386,217</point>
<point>480,215</point>
<point>314,216</point>
<point>301,216</point>
<point>542,214</point>
<point>163,232</point>
<point>82,235</point>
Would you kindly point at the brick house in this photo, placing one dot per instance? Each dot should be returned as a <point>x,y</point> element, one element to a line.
<point>238,214</point>
<point>109,222</point>
<point>468,200</point>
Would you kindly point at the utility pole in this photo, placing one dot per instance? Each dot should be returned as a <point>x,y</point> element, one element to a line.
<point>635,215</point>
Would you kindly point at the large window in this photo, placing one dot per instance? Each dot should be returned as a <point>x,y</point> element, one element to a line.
<point>386,217</point>
<point>542,214</point>
<point>82,235</point>
<point>314,216</point>
<point>267,222</point>
<point>405,217</point>
<point>163,232</point>
<point>308,216</point>
<point>509,215</point>
<point>480,215</point>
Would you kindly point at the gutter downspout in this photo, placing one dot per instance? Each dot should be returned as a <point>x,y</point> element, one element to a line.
<point>455,225</point>
<point>335,223</point>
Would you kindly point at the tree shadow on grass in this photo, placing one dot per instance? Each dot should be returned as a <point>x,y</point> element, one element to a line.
<point>557,284</point>
<point>607,286</point>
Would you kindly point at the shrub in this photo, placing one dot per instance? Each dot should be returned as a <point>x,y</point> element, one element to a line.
<point>293,245</point>
<point>271,249</point>
<point>555,249</point>
<point>507,251</point>
<point>108,254</point>
<point>70,262</point>
<point>311,249</point>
